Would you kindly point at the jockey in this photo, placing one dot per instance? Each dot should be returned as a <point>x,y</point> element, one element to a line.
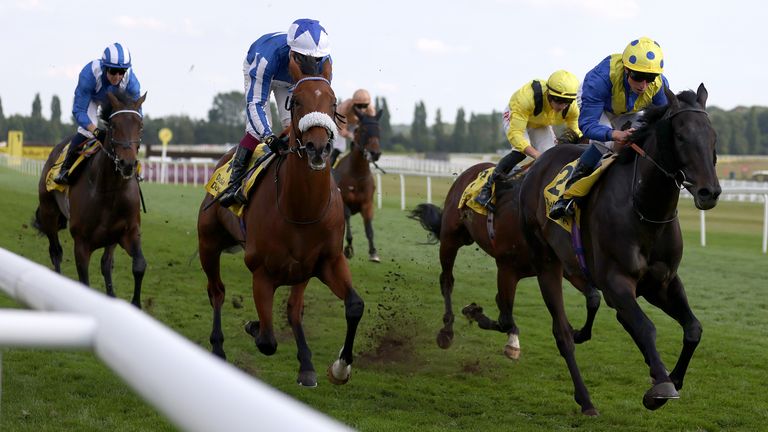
<point>612,95</point>
<point>266,71</point>
<point>528,120</point>
<point>99,77</point>
<point>360,101</point>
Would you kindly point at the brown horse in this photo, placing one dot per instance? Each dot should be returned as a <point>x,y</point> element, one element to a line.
<point>103,202</point>
<point>353,175</point>
<point>631,234</point>
<point>456,227</point>
<point>292,230</point>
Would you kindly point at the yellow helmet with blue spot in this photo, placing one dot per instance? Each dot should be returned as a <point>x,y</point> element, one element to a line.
<point>563,84</point>
<point>644,55</point>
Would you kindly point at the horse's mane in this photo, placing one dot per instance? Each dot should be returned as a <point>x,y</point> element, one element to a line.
<point>309,65</point>
<point>654,123</point>
<point>122,96</point>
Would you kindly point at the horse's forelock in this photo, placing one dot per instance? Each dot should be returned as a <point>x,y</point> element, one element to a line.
<point>124,99</point>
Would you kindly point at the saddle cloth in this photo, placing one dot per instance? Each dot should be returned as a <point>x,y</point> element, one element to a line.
<point>220,178</point>
<point>90,148</point>
<point>556,188</point>
<point>473,189</point>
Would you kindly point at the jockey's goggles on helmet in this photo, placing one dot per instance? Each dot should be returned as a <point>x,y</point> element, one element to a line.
<point>561,100</point>
<point>116,71</point>
<point>642,76</point>
<point>361,106</point>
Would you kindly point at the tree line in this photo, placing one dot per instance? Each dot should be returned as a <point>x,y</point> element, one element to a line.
<point>741,131</point>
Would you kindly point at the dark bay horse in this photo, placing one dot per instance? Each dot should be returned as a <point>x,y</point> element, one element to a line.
<point>103,202</point>
<point>456,227</point>
<point>631,234</point>
<point>292,230</point>
<point>356,183</point>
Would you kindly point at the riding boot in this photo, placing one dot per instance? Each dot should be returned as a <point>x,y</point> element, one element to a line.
<point>334,155</point>
<point>564,206</point>
<point>72,153</point>
<point>234,192</point>
<point>504,166</point>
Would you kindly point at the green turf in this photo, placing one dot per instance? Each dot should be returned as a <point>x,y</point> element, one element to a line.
<point>401,380</point>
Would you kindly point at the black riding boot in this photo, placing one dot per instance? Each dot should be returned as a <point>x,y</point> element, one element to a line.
<point>564,206</point>
<point>334,155</point>
<point>504,166</point>
<point>233,192</point>
<point>72,153</point>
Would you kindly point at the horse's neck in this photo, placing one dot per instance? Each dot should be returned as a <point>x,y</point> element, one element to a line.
<point>303,193</point>
<point>103,173</point>
<point>655,195</point>
<point>358,164</point>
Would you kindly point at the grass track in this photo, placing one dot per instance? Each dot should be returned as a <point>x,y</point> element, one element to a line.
<point>401,380</point>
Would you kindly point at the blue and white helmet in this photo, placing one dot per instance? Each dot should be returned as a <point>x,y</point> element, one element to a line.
<point>308,37</point>
<point>117,56</point>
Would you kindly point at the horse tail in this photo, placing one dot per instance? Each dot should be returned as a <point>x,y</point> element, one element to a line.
<point>36,222</point>
<point>430,217</point>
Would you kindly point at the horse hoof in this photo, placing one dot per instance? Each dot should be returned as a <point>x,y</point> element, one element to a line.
<point>444,339</point>
<point>252,328</point>
<point>374,258</point>
<point>512,353</point>
<point>659,394</point>
<point>339,372</point>
<point>592,412</point>
<point>219,352</point>
<point>307,379</point>
<point>349,252</point>
<point>471,311</point>
<point>581,337</point>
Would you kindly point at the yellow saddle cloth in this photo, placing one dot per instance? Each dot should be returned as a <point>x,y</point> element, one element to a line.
<point>90,148</point>
<point>473,190</point>
<point>339,159</point>
<point>556,188</point>
<point>220,178</point>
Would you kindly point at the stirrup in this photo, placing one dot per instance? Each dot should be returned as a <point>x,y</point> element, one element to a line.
<point>62,178</point>
<point>486,203</point>
<point>563,207</point>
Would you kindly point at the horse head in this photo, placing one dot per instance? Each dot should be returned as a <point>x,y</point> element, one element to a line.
<point>124,129</point>
<point>367,135</point>
<point>693,140</point>
<point>313,106</point>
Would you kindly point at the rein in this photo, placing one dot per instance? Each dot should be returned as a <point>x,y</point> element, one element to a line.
<point>682,183</point>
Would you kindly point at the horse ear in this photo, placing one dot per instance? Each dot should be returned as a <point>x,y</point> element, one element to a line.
<point>327,71</point>
<point>671,99</point>
<point>701,95</point>
<point>141,100</point>
<point>293,68</point>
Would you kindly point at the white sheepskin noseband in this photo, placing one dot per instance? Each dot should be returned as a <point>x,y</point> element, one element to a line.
<point>316,118</point>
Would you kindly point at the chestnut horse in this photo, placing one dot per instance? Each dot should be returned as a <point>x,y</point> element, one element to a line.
<point>103,202</point>
<point>631,234</point>
<point>353,175</point>
<point>456,227</point>
<point>292,230</point>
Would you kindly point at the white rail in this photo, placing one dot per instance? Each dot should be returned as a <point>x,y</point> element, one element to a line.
<point>181,380</point>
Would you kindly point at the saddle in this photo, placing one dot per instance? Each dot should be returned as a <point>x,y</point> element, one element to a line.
<point>556,188</point>
<point>220,178</point>
<point>90,149</point>
<point>473,189</point>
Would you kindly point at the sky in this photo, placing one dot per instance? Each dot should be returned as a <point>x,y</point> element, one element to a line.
<point>448,54</point>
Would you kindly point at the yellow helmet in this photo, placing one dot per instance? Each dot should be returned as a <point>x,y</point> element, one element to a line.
<point>361,97</point>
<point>563,84</point>
<point>644,55</point>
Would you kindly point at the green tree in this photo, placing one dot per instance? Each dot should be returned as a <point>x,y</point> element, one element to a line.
<point>385,126</point>
<point>442,143</point>
<point>753,135</point>
<point>459,136</point>
<point>419,132</point>
<point>55,110</point>
<point>3,123</point>
<point>37,108</point>
<point>228,109</point>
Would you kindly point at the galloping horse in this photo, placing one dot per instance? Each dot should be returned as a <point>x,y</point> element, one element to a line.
<point>456,227</point>
<point>631,234</point>
<point>353,175</point>
<point>293,229</point>
<point>103,203</point>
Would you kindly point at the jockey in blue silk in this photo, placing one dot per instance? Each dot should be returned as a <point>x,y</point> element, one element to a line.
<point>266,71</point>
<point>99,77</point>
<point>612,96</point>
<point>528,119</point>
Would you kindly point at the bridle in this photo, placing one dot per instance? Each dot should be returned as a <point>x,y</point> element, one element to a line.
<point>289,104</point>
<point>110,151</point>
<point>678,177</point>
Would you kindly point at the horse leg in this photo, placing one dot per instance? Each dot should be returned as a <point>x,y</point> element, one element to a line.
<point>550,284</point>
<point>107,261</point>
<point>210,260</point>
<point>263,330</point>
<point>592,296</point>
<point>82,260</point>
<point>622,298</point>
<point>132,244</point>
<point>336,275</point>
<point>47,221</point>
<point>349,251</point>
<point>449,247</point>
<point>367,213</point>
<point>307,375</point>
<point>675,304</point>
